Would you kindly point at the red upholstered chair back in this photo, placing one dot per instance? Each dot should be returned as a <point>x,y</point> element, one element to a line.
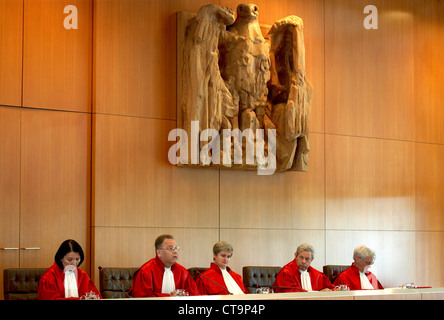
<point>255,277</point>
<point>332,271</point>
<point>21,283</point>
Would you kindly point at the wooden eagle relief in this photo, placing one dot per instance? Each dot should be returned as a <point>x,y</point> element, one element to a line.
<point>243,99</point>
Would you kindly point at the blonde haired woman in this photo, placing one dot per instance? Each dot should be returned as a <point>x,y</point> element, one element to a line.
<point>219,279</point>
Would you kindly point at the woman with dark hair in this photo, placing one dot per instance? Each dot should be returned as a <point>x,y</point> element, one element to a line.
<point>64,280</point>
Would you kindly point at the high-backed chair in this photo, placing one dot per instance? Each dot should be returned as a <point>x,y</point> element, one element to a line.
<point>332,271</point>
<point>194,271</point>
<point>116,282</point>
<point>21,283</point>
<point>255,277</point>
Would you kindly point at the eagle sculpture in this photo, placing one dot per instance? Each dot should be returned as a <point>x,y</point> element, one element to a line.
<point>235,74</point>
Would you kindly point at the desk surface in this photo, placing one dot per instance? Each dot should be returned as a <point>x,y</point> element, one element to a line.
<point>385,294</point>
<point>280,305</point>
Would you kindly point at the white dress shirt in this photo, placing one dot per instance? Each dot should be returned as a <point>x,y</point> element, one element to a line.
<point>305,280</point>
<point>231,284</point>
<point>168,285</point>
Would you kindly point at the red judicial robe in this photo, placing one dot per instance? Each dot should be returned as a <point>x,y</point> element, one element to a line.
<point>290,276</point>
<point>350,277</point>
<point>147,281</point>
<point>206,287</point>
<point>51,284</point>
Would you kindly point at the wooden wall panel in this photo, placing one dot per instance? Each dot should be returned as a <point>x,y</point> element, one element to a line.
<point>135,56</point>
<point>369,184</point>
<point>429,252</point>
<point>369,74</point>
<point>57,63</point>
<point>9,189</point>
<point>135,185</point>
<point>289,200</point>
<point>132,247</point>
<point>9,176</point>
<point>11,39</point>
<point>429,71</point>
<point>395,253</point>
<point>312,13</point>
<point>55,183</point>
<point>429,175</point>
<point>368,181</point>
<point>271,247</point>
<point>375,178</point>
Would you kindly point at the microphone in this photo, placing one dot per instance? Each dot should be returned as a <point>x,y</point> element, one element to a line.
<point>297,288</point>
<point>200,274</point>
<point>121,288</point>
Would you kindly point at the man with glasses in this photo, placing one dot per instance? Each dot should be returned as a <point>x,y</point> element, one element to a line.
<point>358,276</point>
<point>162,276</point>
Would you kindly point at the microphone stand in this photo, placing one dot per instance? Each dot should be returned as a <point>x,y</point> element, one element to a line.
<point>121,288</point>
<point>200,274</point>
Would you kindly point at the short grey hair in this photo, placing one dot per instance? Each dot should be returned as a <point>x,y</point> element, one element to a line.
<point>306,247</point>
<point>363,252</point>
<point>222,246</point>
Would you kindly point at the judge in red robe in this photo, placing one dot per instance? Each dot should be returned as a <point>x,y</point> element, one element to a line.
<point>162,276</point>
<point>357,276</point>
<point>64,280</point>
<point>298,275</point>
<point>219,279</point>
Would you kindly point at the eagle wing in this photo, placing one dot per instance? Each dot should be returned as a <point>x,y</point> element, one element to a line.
<point>288,83</point>
<point>205,95</point>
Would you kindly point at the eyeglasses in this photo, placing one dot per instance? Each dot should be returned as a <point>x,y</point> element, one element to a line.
<point>369,263</point>
<point>170,248</point>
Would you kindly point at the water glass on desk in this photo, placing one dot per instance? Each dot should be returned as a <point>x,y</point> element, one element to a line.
<point>90,296</point>
<point>408,286</point>
<point>342,287</point>
<point>182,293</point>
<point>264,290</point>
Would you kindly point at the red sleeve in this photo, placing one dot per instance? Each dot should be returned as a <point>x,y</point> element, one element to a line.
<point>286,279</point>
<point>51,285</point>
<point>147,281</point>
<point>373,280</point>
<point>190,285</point>
<point>186,282</point>
<point>218,287</point>
<point>207,287</point>
<point>240,283</point>
<point>143,285</point>
<point>324,283</point>
<point>86,285</point>
<point>49,290</point>
<point>341,279</point>
<point>380,285</point>
<point>345,277</point>
<point>201,287</point>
